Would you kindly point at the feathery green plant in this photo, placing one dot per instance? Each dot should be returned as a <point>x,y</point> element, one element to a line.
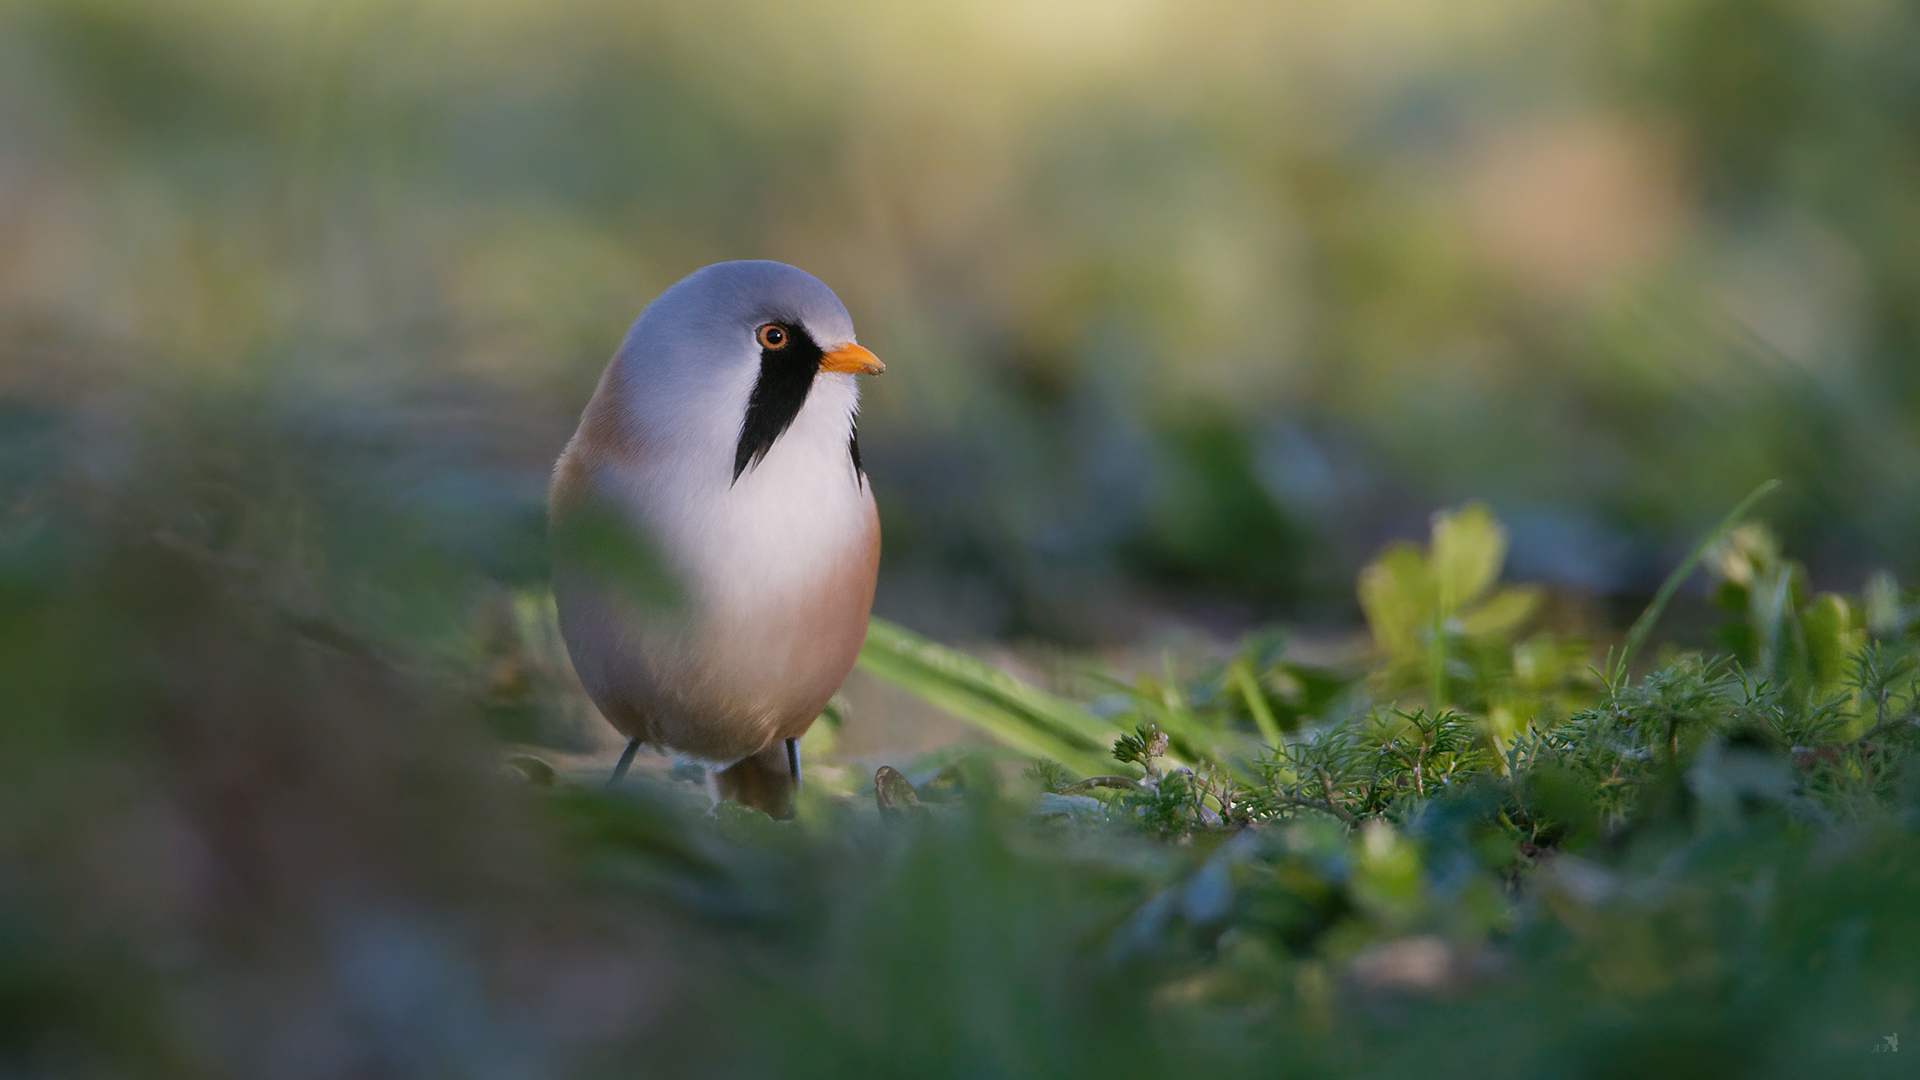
<point>1809,678</point>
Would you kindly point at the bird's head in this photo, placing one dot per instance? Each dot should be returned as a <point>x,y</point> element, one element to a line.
<point>734,352</point>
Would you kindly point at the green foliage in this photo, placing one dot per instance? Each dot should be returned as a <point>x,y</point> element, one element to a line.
<point>1705,916</point>
<point>1442,627</point>
<point>1781,633</point>
<point>1617,669</point>
<point>1567,767</point>
<point>1026,717</point>
<point>1047,775</point>
<point>1374,767</point>
<point>1256,732</point>
<point>1647,851</point>
<point>1145,745</point>
<point>1423,605</point>
<point>250,809</point>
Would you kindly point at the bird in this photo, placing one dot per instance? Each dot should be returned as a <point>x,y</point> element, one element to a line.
<point>721,446</point>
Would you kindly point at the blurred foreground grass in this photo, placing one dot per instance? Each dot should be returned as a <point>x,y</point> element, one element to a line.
<point>251,824</point>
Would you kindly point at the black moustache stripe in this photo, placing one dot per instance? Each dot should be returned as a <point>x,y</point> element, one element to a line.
<point>786,374</point>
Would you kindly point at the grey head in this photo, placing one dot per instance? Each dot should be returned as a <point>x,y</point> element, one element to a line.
<point>730,300</point>
<point>734,350</point>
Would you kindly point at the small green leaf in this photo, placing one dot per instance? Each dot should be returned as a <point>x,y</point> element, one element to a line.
<point>1882,602</point>
<point>1397,594</point>
<point>1831,638</point>
<point>1469,547</point>
<point>1502,614</point>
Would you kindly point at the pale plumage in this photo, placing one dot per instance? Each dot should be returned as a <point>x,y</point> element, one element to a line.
<point>734,461</point>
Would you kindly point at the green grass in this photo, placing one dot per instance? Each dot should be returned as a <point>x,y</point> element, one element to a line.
<point>1700,871</point>
<point>252,823</point>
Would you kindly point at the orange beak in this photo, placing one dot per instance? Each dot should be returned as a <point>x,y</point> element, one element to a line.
<point>853,359</point>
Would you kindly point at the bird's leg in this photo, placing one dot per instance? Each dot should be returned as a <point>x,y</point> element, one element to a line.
<point>793,760</point>
<point>626,759</point>
<point>763,781</point>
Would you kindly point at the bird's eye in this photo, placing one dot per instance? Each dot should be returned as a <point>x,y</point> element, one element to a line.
<point>773,336</point>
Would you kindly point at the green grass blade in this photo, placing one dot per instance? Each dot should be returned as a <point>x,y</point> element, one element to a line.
<point>1645,623</point>
<point>1022,716</point>
<point>1249,687</point>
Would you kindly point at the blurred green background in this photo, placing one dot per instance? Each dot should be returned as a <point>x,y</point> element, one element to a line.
<point>1187,309</point>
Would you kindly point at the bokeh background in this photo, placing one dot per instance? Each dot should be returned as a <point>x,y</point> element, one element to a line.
<point>1187,308</point>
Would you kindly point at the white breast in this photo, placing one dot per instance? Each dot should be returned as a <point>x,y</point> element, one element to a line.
<point>777,569</point>
<point>762,546</point>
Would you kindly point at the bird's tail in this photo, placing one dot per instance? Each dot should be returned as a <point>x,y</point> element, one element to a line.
<point>766,781</point>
